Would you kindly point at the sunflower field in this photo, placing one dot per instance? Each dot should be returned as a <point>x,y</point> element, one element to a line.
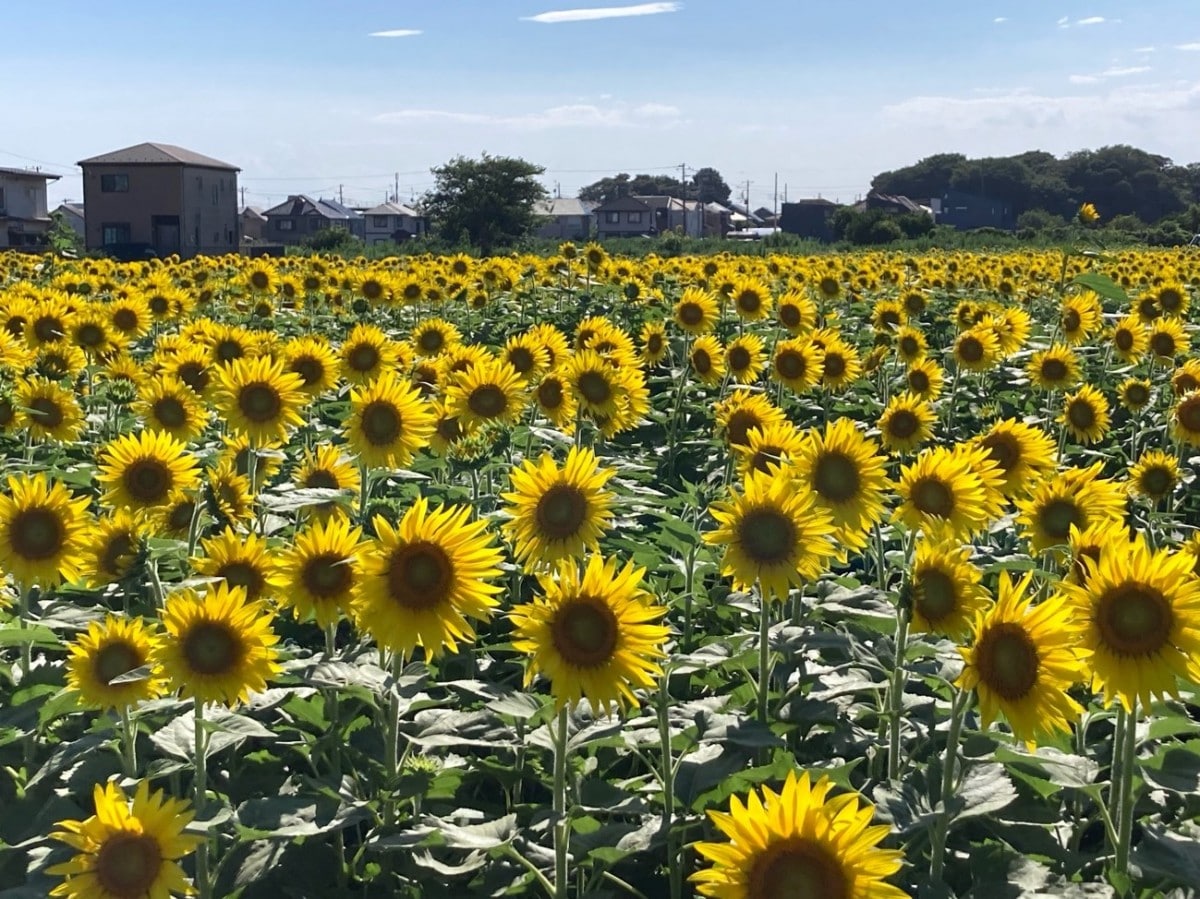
<point>825,577</point>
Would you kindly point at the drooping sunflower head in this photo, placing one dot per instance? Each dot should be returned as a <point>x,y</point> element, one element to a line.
<point>593,632</point>
<point>107,651</point>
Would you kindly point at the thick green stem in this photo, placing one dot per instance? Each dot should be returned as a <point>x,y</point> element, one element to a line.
<point>23,624</point>
<point>203,886</point>
<point>1128,751</point>
<point>764,658</point>
<point>364,492</point>
<point>674,857</point>
<point>958,712</point>
<point>391,740</point>
<point>128,743</point>
<point>562,827</point>
<point>896,694</point>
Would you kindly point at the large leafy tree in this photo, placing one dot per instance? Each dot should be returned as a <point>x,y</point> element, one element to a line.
<point>490,200</point>
<point>710,187</point>
<point>625,185</point>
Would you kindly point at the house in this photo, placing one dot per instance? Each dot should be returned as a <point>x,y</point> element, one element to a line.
<point>24,219</point>
<point>254,224</point>
<point>808,218</point>
<point>156,199</point>
<point>300,216</point>
<point>767,216</point>
<point>676,215</point>
<point>564,218</point>
<point>393,222</point>
<point>964,211</point>
<point>893,204</point>
<point>72,214</point>
<point>624,217</point>
<point>717,219</point>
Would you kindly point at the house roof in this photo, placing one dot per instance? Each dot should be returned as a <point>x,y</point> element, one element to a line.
<point>157,154</point>
<point>299,204</point>
<point>28,173</point>
<point>390,208</point>
<point>253,212</point>
<point>557,206</point>
<point>622,204</point>
<point>73,208</point>
<point>812,201</point>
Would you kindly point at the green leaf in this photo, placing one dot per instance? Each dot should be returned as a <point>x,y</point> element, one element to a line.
<point>36,636</point>
<point>1103,285</point>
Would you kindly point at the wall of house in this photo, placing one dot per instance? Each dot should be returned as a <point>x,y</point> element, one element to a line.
<point>24,198</point>
<point>566,227</point>
<point>625,227</point>
<point>153,190</point>
<point>211,223</point>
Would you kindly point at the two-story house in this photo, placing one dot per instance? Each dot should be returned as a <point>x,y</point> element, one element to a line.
<point>623,217</point>
<point>24,217</point>
<point>393,222</point>
<point>157,199</point>
<point>300,216</point>
<point>564,218</point>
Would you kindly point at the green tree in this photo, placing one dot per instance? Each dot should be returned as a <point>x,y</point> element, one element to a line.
<point>490,200</point>
<point>625,185</point>
<point>62,238</point>
<point>710,187</point>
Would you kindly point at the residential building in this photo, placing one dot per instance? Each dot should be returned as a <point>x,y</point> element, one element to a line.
<point>392,222</point>
<point>624,217</point>
<point>808,218</point>
<point>24,218</point>
<point>254,224</point>
<point>299,217</point>
<point>157,199</point>
<point>964,211</point>
<point>565,218</point>
<point>893,204</point>
<point>674,215</point>
<point>72,214</point>
<point>717,219</point>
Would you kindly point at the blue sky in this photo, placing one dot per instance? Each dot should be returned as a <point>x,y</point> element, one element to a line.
<point>304,96</point>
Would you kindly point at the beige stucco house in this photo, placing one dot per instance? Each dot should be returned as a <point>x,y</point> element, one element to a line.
<point>24,217</point>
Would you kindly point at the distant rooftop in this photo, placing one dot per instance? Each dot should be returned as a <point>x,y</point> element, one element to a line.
<point>157,154</point>
<point>28,173</point>
<point>392,208</point>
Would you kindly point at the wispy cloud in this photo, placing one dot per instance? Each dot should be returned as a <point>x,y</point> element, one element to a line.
<point>577,115</point>
<point>1144,49</point>
<point>999,20</point>
<point>1064,22</point>
<point>1084,79</point>
<point>1123,71</point>
<point>396,32</point>
<point>1193,47</point>
<point>1092,20</point>
<point>603,12</point>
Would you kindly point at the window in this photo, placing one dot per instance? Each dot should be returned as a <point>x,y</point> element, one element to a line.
<point>114,184</point>
<point>379,221</point>
<point>286,225</point>
<point>115,233</point>
<point>215,195</point>
<point>1,199</point>
<point>612,218</point>
<point>635,218</point>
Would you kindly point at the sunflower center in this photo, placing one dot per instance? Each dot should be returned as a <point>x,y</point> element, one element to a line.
<point>321,478</point>
<point>372,289</point>
<point>903,424</point>
<point>739,358</point>
<point>520,359</point>
<point>1137,394</point>
<point>431,341</point>
<point>327,576</point>
<point>1071,321</point>
<point>749,301</point>
<point>1188,414</point>
<point>690,314</point>
<point>790,365</point>
<point>487,401</point>
<point>211,648</point>
<point>48,329</point>
<point>836,478</point>
<point>1081,414</point>
<point>1053,370</point>
<point>125,320</point>
<point>1123,339</point>
<point>766,536</point>
<point>933,497</point>
<point>970,349</point>
<point>918,380</point>
<point>260,280</point>
<point>1163,344</point>
<point>45,412</point>
<point>1058,515</point>
<point>654,344</point>
<point>260,402</point>
<point>148,481</point>
<point>909,346</point>
<point>128,864</point>
<point>169,412</point>
<point>585,632</point>
<point>381,423</point>
<point>835,365</point>
<point>829,286</point>
<point>561,511</point>
<point>309,368</point>
<point>789,315</point>
<point>228,350</point>
<point>737,429</point>
<point>1004,451</point>
<point>114,660</point>
<point>1134,620</point>
<point>1008,660</point>
<point>180,518</point>
<point>550,394</point>
<point>797,868</point>
<point>701,361</point>
<point>935,596</point>
<point>1157,481</point>
<point>243,574</point>
<point>194,375</point>
<point>116,555</point>
<point>420,576</point>
<point>90,335</point>
<point>766,456</point>
<point>594,388</point>
<point>363,357</point>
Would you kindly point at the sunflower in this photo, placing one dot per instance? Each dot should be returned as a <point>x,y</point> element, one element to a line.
<point>388,422</point>
<point>314,361</point>
<point>556,402</point>
<point>193,367</point>
<point>1130,339</point>
<point>906,423</point>
<point>126,850</point>
<point>1087,214</point>
<point>217,647</point>
<point>114,545</point>
<point>1186,377</point>
<point>977,349</point>
<point>1135,393</point>
<point>1085,415</point>
<point>655,346</point>
<point>1154,475</point>
<point>948,493</point>
<point>1055,368</point>
<point>796,312</point>
<point>911,345</point>
<point>596,385</point>
<point>524,355</point>
<point>744,358</point>
<point>487,392</point>
<point>697,311</point>
<point>1077,496</point>
<point>1022,452</point>
<point>1080,317</point>
<point>92,332</point>
<point>707,360</point>
<point>1168,339</point>
<point>366,353</point>
<point>773,534</point>
<point>1185,419</point>
<point>228,343</point>
<point>105,652</point>
<point>553,341</point>
<point>1191,549</point>
<point>1023,661</point>
<point>167,404</point>
<point>797,364</point>
<point>321,571</point>
<point>243,561</point>
<point>1088,545</point>
<point>844,473</point>
<point>229,494</point>
<point>258,398</point>
<point>1173,298</point>
<point>778,443</point>
<point>237,450</point>
<point>174,520</point>
<point>888,316</point>
<point>945,589</point>
<point>840,365</point>
<point>423,579</point>
<point>558,513</point>
<point>434,336</point>
<point>129,316</point>
<point>741,412</point>
<point>326,467</point>
<point>42,531</point>
<point>48,411</point>
<point>751,299</point>
<point>799,843</point>
<point>145,470</point>
<point>594,634</point>
<point>924,379</point>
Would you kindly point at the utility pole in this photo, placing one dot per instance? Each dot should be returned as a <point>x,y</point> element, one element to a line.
<point>341,200</point>
<point>775,204</point>
<point>243,190</point>
<point>746,198</point>
<point>396,189</point>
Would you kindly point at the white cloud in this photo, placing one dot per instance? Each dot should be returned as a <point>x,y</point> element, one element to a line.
<point>603,12</point>
<point>1064,22</point>
<point>1193,47</point>
<point>1092,20</point>
<point>1123,71</point>
<point>396,32</point>
<point>999,20</point>
<point>1144,49</point>
<point>1084,79</point>
<point>656,111</point>
<point>576,115</point>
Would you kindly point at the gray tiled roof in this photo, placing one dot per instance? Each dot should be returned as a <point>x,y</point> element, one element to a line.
<point>157,154</point>
<point>28,173</point>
